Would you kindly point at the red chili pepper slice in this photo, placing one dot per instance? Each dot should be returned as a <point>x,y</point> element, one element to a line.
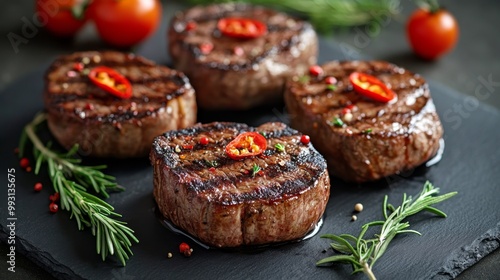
<point>245,145</point>
<point>242,28</point>
<point>111,81</point>
<point>371,87</point>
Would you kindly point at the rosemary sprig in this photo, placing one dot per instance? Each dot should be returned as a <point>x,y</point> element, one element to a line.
<point>325,14</point>
<point>71,180</point>
<point>363,253</point>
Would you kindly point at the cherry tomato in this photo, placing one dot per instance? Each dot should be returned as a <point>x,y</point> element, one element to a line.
<point>58,18</point>
<point>125,23</point>
<point>242,28</point>
<point>432,34</point>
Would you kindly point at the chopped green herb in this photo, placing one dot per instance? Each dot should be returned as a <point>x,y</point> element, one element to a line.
<point>367,131</point>
<point>331,87</point>
<point>255,169</point>
<point>304,79</point>
<point>280,147</point>
<point>263,133</point>
<point>211,163</point>
<point>337,122</point>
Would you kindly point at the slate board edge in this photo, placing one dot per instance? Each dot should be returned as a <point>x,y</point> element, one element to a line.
<point>39,257</point>
<point>466,256</point>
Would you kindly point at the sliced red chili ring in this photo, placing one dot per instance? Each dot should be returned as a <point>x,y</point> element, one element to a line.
<point>245,145</point>
<point>371,87</point>
<point>241,28</point>
<point>111,81</point>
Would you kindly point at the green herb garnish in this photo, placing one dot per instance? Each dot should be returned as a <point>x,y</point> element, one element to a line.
<point>280,147</point>
<point>211,163</point>
<point>367,131</point>
<point>337,122</point>
<point>363,253</point>
<point>72,180</point>
<point>331,87</point>
<point>263,133</point>
<point>255,169</point>
<point>304,79</point>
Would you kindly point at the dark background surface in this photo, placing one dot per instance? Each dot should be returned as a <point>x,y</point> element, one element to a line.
<point>475,58</point>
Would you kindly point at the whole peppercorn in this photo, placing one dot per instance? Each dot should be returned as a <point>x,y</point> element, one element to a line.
<point>305,139</point>
<point>358,207</point>
<point>185,249</point>
<point>53,207</point>
<point>24,163</point>
<point>54,197</point>
<point>204,140</point>
<point>38,187</point>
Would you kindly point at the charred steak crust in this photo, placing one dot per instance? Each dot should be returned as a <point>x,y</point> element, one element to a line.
<point>107,126</point>
<point>224,79</point>
<point>201,190</point>
<point>380,139</point>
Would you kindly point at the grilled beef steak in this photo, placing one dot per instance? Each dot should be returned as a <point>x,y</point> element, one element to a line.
<point>226,202</point>
<point>235,73</point>
<point>362,139</point>
<point>108,126</point>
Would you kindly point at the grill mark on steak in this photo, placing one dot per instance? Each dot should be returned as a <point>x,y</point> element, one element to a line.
<point>152,90</point>
<point>246,10</point>
<point>92,91</point>
<point>299,166</point>
<point>402,134</point>
<point>223,161</point>
<point>248,64</point>
<point>174,79</point>
<point>80,112</point>
<point>240,211</point>
<point>272,170</point>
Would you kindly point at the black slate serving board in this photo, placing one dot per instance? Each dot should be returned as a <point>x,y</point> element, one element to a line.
<point>470,165</point>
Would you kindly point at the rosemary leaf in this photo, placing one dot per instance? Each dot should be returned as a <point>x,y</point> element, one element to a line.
<point>72,181</point>
<point>363,253</point>
<point>337,258</point>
